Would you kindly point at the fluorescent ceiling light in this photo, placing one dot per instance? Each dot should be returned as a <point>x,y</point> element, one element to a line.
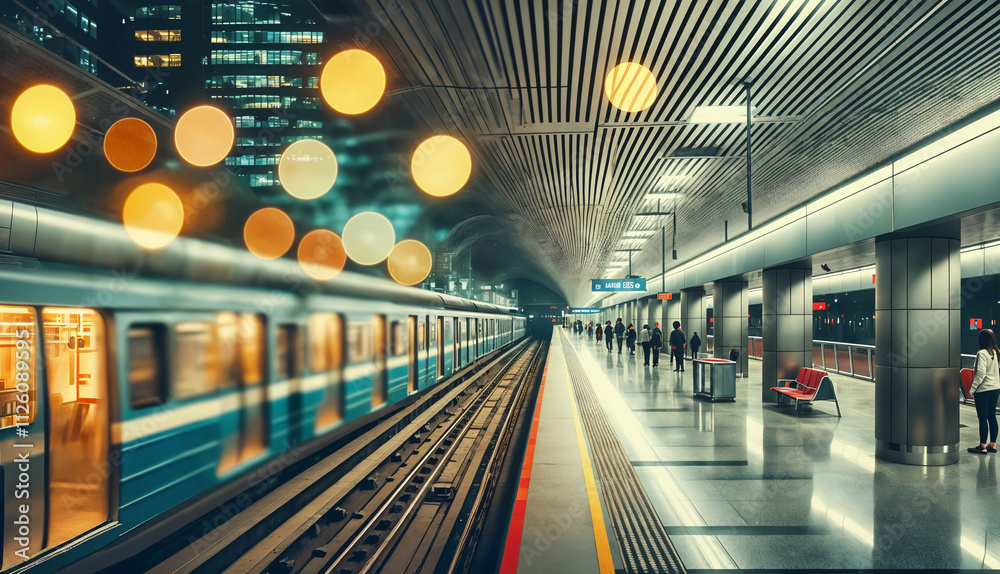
<point>720,115</point>
<point>640,233</point>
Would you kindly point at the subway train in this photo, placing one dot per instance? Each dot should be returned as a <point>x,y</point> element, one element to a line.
<point>131,382</point>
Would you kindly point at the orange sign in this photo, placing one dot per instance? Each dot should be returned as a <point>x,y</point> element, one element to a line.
<point>664,296</point>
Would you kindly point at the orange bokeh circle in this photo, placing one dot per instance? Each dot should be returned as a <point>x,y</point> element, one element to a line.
<point>130,145</point>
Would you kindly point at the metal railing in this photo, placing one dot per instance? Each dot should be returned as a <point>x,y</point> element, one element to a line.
<point>851,359</point>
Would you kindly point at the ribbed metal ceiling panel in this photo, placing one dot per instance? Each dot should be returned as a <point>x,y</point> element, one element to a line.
<point>846,84</point>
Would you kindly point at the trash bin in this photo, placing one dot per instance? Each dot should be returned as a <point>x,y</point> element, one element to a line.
<point>715,379</point>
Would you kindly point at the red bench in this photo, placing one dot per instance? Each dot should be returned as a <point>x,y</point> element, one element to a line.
<point>810,385</point>
<point>966,378</point>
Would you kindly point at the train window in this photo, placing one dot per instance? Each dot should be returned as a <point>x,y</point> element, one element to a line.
<point>400,339</point>
<point>252,348</point>
<point>76,374</point>
<point>75,354</point>
<point>146,368</point>
<point>360,346</point>
<point>432,332</point>
<point>325,344</point>
<point>193,372</point>
<point>227,368</point>
<point>18,374</point>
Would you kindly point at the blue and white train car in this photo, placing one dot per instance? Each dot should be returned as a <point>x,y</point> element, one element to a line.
<point>131,383</point>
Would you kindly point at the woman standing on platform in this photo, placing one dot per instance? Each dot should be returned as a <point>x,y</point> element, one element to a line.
<point>986,389</point>
<point>600,331</point>
<point>630,339</point>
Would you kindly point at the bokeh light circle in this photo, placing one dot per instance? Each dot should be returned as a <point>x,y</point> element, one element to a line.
<point>153,215</point>
<point>441,165</point>
<point>409,262</point>
<point>352,82</point>
<point>368,238</point>
<point>43,118</point>
<point>630,87</point>
<point>204,135</point>
<point>269,233</point>
<point>130,144</point>
<point>307,169</point>
<point>321,254</point>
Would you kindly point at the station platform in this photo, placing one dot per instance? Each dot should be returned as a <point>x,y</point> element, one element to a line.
<point>742,485</point>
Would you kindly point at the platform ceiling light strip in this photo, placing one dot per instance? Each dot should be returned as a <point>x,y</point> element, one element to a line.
<point>720,114</point>
<point>43,119</point>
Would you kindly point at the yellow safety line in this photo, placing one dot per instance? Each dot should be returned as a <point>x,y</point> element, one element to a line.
<point>604,561</point>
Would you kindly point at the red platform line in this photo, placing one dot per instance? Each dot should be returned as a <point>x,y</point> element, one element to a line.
<point>512,547</point>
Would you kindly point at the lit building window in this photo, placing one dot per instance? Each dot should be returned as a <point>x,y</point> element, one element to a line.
<point>281,57</point>
<point>265,37</point>
<point>308,124</point>
<point>158,61</point>
<point>158,35</point>
<point>159,12</point>
<point>246,12</point>
<point>256,81</point>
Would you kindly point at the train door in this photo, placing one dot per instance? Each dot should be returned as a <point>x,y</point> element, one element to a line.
<point>458,343</point>
<point>326,363</point>
<point>380,379</point>
<point>438,335</point>
<point>78,469</point>
<point>240,346</point>
<point>470,335</point>
<point>424,363</point>
<point>20,413</point>
<point>415,331</point>
<point>289,364</point>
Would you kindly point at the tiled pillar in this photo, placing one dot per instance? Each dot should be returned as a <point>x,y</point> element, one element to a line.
<point>787,324</point>
<point>641,312</point>
<point>653,312</point>
<point>918,305</point>
<point>693,315</point>
<point>731,303</point>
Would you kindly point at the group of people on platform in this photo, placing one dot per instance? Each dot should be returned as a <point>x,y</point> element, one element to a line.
<point>651,340</point>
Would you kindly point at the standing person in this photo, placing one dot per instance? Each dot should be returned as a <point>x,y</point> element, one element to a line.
<point>590,330</point>
<point>609,332</point>
<point>695,345</point>
<point>986,389</point>
<point>677,344</point>
<point>619,334</point>
<point>600,332</point>
<point>644,337</point>
<point>656,341</point>
<point>630,335</point>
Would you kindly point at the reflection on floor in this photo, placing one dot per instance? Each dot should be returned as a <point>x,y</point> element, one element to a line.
<point>746,485</point>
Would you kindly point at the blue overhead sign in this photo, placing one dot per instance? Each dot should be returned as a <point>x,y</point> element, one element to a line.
<point>605,285</point>
<point>586,311</point>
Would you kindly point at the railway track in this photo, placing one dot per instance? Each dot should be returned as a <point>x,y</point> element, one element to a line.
<point>406,501</point>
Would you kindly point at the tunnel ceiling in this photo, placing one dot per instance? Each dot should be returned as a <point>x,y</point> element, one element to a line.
<point>838,87</point>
